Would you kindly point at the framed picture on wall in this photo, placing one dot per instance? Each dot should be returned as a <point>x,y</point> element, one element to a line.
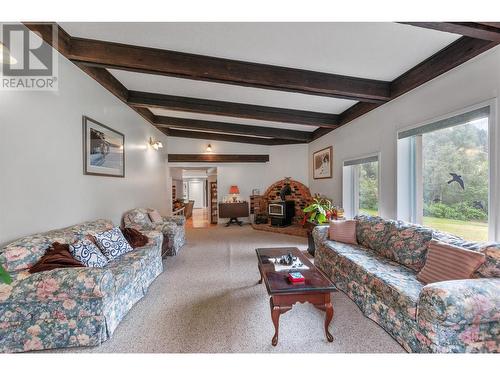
<point>103,150</point>
<point>323,163</point>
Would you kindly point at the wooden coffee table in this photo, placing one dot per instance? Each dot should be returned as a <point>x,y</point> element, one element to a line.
<point>316,289</point>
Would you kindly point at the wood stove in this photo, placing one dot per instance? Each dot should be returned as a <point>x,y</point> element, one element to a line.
<point>281,213</point>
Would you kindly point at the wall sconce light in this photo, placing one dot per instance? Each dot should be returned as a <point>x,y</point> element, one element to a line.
<point>5,56</point>
<point>155,144</point>
<point>209,148</point>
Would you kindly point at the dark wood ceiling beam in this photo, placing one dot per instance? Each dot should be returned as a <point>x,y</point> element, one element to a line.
<point>451,56</point>
<point>218,158</point>
<point>486,31</point>
<point>215,107</point>
<point>46,31</point>
<point>239,129</point>
<point>226,137</point>
<point>147,60</point>
<point>233,72</point>
<point>107,80</point>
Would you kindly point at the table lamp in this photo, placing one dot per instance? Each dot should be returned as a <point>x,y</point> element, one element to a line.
<point>234,191</point>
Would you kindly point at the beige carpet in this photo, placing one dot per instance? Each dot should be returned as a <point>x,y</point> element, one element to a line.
<point>208,300</point>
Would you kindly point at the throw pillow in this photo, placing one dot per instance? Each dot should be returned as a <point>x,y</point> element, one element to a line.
<point>447,262</point>
<point>56,256</point>
<point>371,232</point>
<point>343,231</point>
<point>112,243</point>
<point>134,237</point>
<point>155,216</point>
<point>87,253</point>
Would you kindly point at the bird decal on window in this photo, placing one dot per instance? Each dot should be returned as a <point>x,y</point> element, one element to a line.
<point>457,178</point>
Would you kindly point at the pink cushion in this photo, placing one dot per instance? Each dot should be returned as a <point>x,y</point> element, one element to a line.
<point>343,231</point>
<point>155,216</point>
<point>447,262</point>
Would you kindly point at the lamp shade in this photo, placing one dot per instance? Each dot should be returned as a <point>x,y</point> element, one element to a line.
<point>234,189</point>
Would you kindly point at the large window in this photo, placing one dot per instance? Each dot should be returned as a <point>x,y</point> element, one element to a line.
<point>443,175</point>
<point>361,184</point>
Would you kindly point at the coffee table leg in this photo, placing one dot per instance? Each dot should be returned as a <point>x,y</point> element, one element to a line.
<point>275,315</point>
<point>328,319</point>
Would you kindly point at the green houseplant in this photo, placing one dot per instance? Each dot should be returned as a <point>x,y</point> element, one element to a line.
<point>319,211</point>
<point>4,276</point>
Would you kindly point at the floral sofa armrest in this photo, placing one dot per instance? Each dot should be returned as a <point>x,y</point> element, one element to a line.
<point>155,237</point>
<point>320,234</point>
<point>177,219</point>
<point>58,285</point>
<point>460,302</point>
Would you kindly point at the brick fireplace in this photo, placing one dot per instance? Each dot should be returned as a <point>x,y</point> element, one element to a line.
<point>300,194</point>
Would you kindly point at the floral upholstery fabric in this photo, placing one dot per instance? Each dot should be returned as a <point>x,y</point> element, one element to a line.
<point>172,227</point>
<point>371,232</point>
<point>25,252</point>
<point>491,266</point>
<point>407,244</point>
<point>451,316</point>
<point>73,306</point>
<point>391,283</point>
<point>461,315</point>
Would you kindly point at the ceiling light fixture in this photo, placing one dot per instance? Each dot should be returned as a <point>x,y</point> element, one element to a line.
<point>5,56</point>
<point>155,144</point>
<point>209,148</point>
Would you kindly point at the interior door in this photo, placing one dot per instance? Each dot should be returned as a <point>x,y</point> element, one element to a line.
<point>196,193</point>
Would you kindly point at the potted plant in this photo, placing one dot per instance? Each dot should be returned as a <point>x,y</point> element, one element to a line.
<point>4,276</point>
<point>318,212</point>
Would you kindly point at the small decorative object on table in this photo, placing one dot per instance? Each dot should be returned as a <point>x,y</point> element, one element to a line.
<point>296,277</point>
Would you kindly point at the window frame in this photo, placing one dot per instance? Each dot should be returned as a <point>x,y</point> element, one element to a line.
<point>351,195</point>
<point>413,210</point>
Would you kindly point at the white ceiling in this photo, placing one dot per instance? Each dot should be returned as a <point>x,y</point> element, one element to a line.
<point>376,50</point>
<point>369,50</point>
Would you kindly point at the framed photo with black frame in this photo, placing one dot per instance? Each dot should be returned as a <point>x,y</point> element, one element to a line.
<point>103,150</point>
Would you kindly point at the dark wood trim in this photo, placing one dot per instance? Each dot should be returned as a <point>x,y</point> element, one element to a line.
<point>217,158</point>
<point>479,30</point>
<point>448,58</point>
<point>233,72</point>
<point>148,60</point>
<point>221,108</point>
<point>191,124</point>
<point>451,56</point>
<point>227,137</point>
<point>46,31</point>
<point>107,80</point>
<point>371,94</point>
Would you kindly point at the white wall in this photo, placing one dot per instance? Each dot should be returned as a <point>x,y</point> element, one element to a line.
<point>42,185</point>
<point>284,161</point>
<point>473,82</point>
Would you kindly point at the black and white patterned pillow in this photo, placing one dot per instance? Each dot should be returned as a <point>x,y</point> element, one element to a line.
<point>87,253</point>
<point>112,243</point>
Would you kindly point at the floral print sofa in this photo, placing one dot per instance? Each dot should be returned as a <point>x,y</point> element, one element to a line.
<point>172,228</point>
<point>68,307</point>
<point>380,276</point>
